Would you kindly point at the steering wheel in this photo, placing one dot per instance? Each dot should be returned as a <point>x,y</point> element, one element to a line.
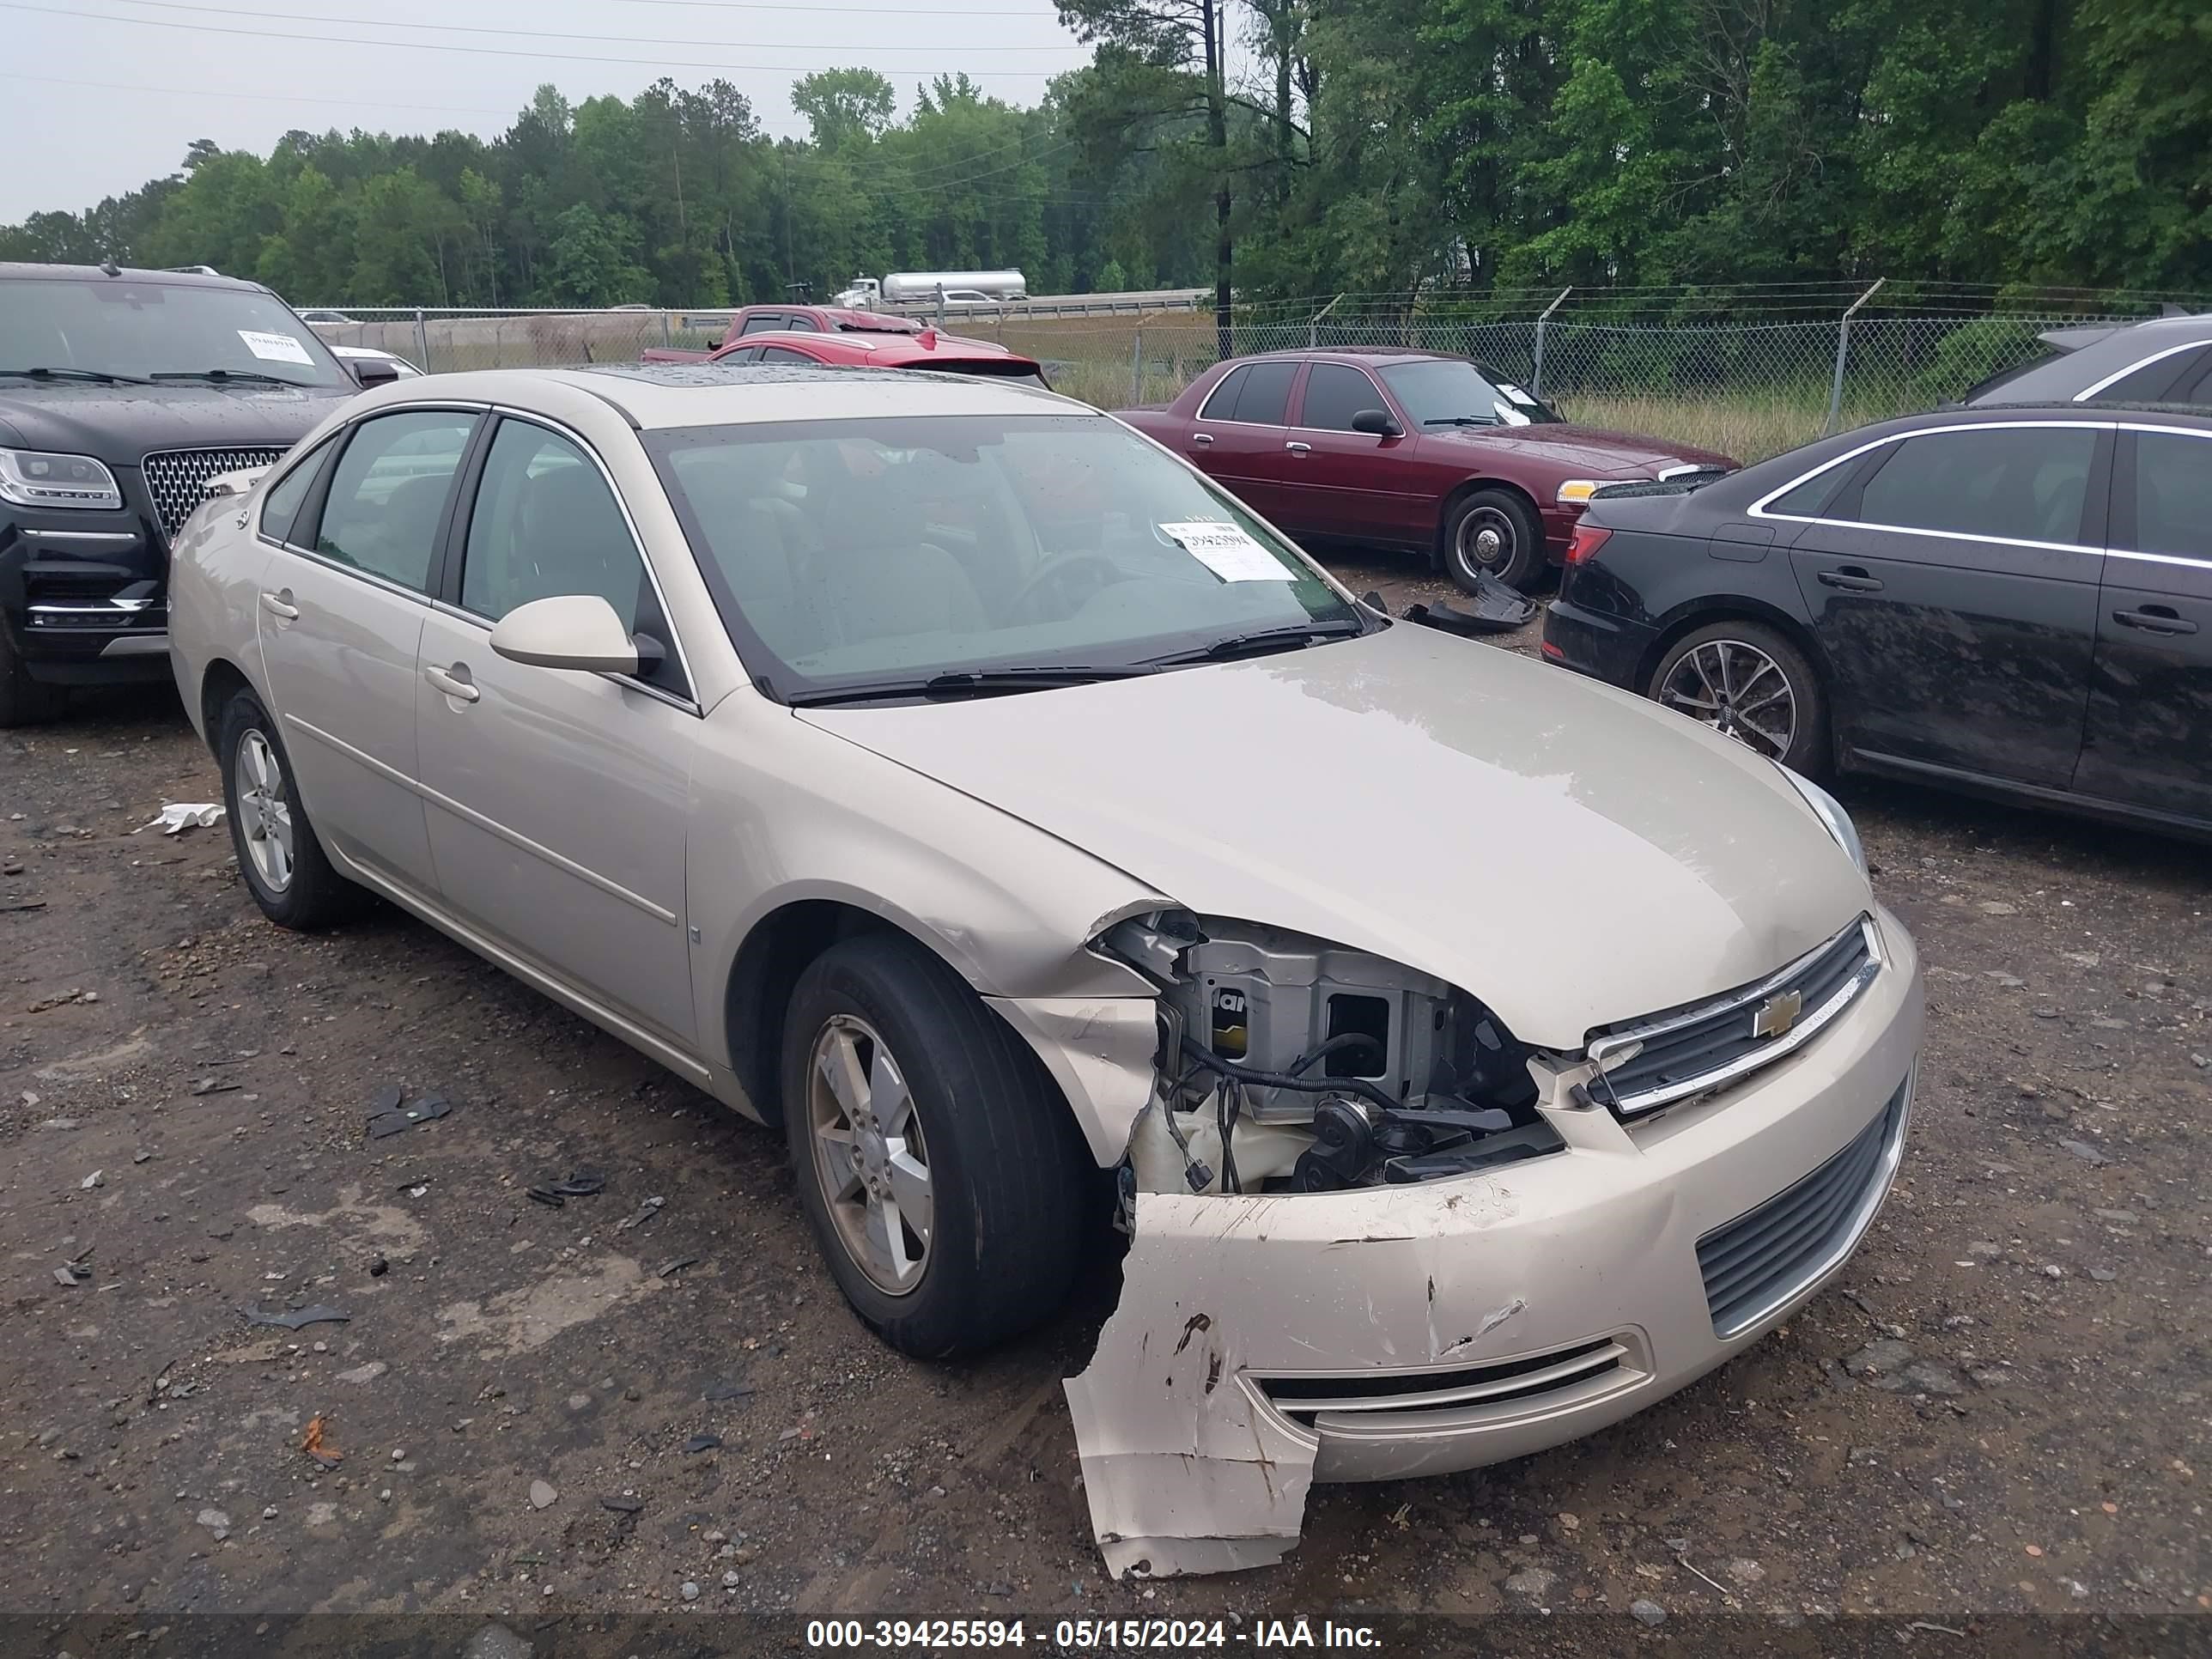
<point>1056,571</point>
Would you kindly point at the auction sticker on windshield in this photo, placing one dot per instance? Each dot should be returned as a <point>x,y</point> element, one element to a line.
<point>274,348</point>
<point>1228,552</point>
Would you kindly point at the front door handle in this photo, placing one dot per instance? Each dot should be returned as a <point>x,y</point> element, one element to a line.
<point>1851,580</point>
<point>1202,437</point>
<point>279,604</point>
<point>454,682</point>
<point>2155,619</point>
<point>1298,448</point>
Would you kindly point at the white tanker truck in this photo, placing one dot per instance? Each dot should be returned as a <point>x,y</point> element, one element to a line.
<point>955,289</point>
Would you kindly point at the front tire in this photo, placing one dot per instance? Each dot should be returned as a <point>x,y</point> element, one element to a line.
<point>1493,532</point>
<point>284,866</point>
<point>935,1160</point>
<point>1751,683</point>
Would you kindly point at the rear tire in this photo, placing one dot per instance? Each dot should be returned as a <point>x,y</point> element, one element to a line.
<point>1751,683</point>
<point>939,1169</point>
<point>284,864</point>
<point>1494,532</point>
<point>24,701</point>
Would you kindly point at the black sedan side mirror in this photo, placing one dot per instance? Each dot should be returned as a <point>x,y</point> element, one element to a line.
<point>1375,422</point>
<point>373,371</point>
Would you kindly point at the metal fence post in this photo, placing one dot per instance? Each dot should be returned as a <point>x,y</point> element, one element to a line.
<point>422,338</point>
<point>666,338</point>
<point>1137,368</point>
<point>1842,351</point>
<point>1536,378</point>
<point>1314,323</point>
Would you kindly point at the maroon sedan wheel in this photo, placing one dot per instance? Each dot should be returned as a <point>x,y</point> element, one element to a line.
<point>1493,532</point>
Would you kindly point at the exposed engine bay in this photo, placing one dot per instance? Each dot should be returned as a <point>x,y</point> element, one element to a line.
<point>1287,1064</point>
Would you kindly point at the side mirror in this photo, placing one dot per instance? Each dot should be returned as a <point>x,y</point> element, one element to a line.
<point>373,371</point>
<point>1375,422</point>
<point>576,631</point>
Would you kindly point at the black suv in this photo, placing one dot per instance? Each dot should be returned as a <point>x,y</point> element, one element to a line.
<point>122,392</point>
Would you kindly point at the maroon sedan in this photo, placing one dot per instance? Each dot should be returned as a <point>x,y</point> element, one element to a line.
<point>1387,447</point>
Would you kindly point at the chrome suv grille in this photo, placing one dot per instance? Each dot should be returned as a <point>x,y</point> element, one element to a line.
<point>1765,1257</point>
<point>176,477</point>
<point>1695,1050</point>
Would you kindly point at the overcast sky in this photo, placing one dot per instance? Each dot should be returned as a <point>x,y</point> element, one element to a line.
<point>115,89</point>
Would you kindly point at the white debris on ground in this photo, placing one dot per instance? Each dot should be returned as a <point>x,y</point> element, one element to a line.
<point>179,816</point>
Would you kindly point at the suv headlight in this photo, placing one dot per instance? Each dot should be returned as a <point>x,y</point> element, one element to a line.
<point>32,478</point>
<point>1831,813</point>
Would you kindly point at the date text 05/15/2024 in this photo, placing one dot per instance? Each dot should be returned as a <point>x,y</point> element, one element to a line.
<point>1085,1635</point>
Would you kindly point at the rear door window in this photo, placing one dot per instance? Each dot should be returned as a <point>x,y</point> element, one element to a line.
<point>1264,399</point>
<point>1221,402</point>
<point>762,325</point>
<point>387,496</point>
<point>2157,382</point>
<point>2020,483</point>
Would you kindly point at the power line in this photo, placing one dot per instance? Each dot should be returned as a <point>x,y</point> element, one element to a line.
<point>204,93</point>
<point>871,11</point>
<point>484,51</point>
<point>559,34</point>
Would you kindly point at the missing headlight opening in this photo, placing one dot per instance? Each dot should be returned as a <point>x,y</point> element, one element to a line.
<point>1288,1064</point>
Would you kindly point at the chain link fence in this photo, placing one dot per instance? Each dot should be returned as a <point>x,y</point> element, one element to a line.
<point>1746,371</point>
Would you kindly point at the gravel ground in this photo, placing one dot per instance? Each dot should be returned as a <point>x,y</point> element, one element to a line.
<point>654,1394</point>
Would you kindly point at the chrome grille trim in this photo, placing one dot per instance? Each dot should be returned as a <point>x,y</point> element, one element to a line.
<point>177,478</point>
<point>1758,1263</point>
<point>1370,1403</point>
<point>1621,1084</point>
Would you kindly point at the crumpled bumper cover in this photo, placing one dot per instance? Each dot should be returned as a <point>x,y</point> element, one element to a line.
<point>1191,1464</point>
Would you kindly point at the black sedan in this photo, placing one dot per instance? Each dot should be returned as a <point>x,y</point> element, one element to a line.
<point>2014,601</point>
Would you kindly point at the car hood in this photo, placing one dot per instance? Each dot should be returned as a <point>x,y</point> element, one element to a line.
<point>1570,854</point>
<point>122,423</point>
<point>1589,449</point>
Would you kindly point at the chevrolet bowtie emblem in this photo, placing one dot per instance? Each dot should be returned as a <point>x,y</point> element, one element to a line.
<point>1778,1013</point>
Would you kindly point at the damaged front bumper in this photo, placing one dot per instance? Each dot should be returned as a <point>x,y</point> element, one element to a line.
<point>1264,1341</point>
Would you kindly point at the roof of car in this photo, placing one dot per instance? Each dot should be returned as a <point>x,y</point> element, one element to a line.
<point>1345,352</point>
<point>17,271</point>
<point>901,348</point>
<point>657,395</point>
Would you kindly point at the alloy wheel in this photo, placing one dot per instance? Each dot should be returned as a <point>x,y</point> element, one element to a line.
<point>869,1153</point>
<point>1738,691</point>
<point>264,812</point>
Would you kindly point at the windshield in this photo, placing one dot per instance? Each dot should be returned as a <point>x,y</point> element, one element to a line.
<point>143,331</point>
<point>846,554</point>
<point>1441,391</point>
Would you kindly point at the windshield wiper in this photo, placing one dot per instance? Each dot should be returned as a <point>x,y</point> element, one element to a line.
<point>976,682</point>
<point>1460,419</point>
<point>99,375</point>
<point>253,375</point>
<point>1296,638</point>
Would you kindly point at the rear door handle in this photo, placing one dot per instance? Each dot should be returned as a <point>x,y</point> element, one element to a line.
<point>454,682</point>
<point>1202,437</point>
<point>2155,619</point>
<point>279,604</point>
<point>1851,581</point>
<point>1298,448</point>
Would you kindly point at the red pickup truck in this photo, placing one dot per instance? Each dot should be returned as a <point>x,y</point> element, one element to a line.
<point>789,319</point>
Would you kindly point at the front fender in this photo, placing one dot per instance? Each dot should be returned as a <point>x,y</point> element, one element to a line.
<point>784,812</point>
